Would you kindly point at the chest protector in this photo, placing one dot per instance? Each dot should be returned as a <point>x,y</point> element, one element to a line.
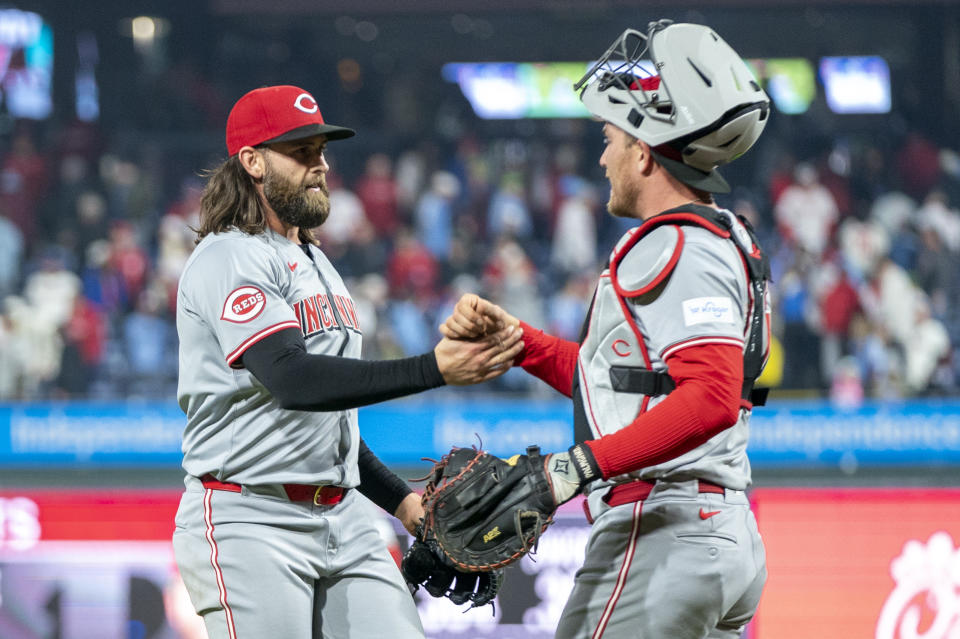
<point>650,383</point>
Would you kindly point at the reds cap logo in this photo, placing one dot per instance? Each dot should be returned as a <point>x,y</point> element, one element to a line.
<point>306,103</point>
<point>243,304</point>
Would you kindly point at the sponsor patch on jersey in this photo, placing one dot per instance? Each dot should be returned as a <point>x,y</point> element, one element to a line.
<point>701,310</point>
<point>243,304</point>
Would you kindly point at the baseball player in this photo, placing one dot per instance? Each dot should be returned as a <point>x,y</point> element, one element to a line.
<point>270,537</point>
<point>662,378</point>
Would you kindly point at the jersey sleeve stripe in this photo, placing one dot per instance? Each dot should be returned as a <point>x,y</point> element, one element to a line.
<point>698,341</point>
<point>235,355</point>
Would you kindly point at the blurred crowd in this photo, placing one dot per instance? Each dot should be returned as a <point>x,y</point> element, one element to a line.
<point>864,245</point>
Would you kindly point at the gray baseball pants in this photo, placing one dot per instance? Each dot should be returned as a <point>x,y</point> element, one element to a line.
<point>680,564</point>
<point>257,565</point>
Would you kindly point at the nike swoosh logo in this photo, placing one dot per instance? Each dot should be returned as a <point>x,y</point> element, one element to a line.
<point>707,515</point>
<point>293,266</point>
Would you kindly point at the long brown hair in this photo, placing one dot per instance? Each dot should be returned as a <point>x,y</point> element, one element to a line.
<point>231,201</point>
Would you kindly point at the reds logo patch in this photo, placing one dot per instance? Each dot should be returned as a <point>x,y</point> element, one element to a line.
<point>243,304</point>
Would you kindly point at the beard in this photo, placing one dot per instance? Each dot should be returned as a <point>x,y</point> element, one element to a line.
<point>624,197</point>
<point>293,203</point>
<point>618,206</point>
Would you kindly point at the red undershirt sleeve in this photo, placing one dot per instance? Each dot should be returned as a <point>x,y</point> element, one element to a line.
<point>550,358</point>
<point>705,402</point>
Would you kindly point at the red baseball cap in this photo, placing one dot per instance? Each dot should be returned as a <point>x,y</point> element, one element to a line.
<point>277,114</point>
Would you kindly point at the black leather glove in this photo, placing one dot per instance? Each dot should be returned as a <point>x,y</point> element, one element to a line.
<point>424,564</point>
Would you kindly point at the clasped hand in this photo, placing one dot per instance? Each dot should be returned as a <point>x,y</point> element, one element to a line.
<point>480,342</point>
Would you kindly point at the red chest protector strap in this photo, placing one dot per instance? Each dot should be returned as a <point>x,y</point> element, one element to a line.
<point>634,380</point>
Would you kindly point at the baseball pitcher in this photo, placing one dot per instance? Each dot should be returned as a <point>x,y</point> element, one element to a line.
<point>270,538</point>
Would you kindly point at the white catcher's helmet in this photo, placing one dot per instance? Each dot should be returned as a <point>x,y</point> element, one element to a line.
<point>692,99</point>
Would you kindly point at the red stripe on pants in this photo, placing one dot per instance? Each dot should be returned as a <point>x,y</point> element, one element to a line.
<point>221,586</point>
<point>622,575</point>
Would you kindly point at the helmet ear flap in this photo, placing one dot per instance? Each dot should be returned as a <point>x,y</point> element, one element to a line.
<point>728,139</point>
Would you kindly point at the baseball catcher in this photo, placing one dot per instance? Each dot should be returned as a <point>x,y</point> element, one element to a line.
<point>483,513</point>
<point>662,379</point>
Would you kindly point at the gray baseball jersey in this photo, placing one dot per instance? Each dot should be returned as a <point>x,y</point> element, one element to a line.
<point>255,562</point>
<point>706,300</point>
<point>684,562</point>
<point>235,290</point>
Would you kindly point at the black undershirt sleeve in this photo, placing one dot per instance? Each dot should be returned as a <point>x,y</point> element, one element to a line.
<point>378,483</point>
<point>301,381</point>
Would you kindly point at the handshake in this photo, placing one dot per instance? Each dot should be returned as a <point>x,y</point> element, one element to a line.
<point>480,342</point>
<point>481,512</point>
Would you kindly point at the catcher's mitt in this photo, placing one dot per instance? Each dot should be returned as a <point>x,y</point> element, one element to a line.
<point>486,512</point>
<point>424,564</point>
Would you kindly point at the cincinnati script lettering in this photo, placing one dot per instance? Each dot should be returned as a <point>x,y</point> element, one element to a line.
<point>316,314</point>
